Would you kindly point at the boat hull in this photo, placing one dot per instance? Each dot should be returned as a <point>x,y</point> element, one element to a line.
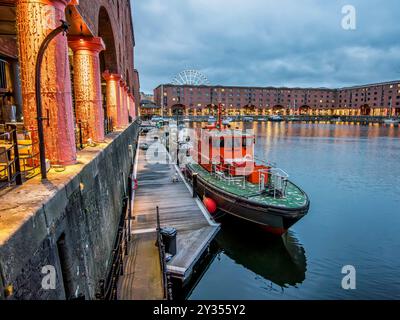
<point>275,220</point>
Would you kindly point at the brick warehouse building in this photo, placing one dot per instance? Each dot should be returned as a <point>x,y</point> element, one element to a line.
<point>88,76</point>
<point>382,99</point>
<point>89,84</point>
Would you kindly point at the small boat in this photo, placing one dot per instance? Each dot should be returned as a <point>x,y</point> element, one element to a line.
<point>248,119</point>
<point>391,121</point>
<point>186,120</point>
<point>211,119</point>
<point>338,119</point>
<point>227,121</point>
<point>233,181</point>
<point>262,119</point>
<point>275,118</point>
<point>293,119</point>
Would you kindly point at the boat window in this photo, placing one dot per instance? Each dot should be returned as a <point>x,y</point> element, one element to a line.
<point>228,142</point>
<point>237,142</point>
<point>222,143</point>
<point>215,142</point>
<point>244,142</point>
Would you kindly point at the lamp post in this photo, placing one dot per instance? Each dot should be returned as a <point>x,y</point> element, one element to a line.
<point>177,137</point>
<point>63,28</point>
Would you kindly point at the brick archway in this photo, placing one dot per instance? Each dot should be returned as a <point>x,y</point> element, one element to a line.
<point>108,58</point>
<point>366,110</point>
<point>179,109</point>
<point>304,110</point>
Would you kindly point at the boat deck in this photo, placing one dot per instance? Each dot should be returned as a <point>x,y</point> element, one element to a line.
<point>178,209</point>
<point>294,198</point>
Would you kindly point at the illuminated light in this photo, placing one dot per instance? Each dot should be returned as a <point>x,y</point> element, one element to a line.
<point>59,133</point>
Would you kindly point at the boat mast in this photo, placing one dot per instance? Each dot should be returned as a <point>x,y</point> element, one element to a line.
<point>219,116</point>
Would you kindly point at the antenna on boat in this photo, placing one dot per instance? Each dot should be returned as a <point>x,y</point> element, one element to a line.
<point>219,116</point>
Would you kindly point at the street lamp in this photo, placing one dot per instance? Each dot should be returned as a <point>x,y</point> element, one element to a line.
<point>177,136</point>
<point>63,28</point>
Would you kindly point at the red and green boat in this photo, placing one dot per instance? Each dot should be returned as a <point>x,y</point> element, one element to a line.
<point>225,172</point>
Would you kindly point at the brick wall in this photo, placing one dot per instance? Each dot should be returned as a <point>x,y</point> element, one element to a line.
<point>85,212</point>
<point>119,12</point>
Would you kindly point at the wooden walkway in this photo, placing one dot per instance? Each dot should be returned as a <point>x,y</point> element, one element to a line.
<point>178,209</point>
<point>142,270</point>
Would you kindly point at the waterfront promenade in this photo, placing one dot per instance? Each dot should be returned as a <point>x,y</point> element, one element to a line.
<point>178,209</point>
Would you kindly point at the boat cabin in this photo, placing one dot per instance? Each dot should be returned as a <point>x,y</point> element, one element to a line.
<point>227,152</point>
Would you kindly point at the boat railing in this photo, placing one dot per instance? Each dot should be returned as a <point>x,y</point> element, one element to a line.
<point>220,172</point>
<point>274,181</point>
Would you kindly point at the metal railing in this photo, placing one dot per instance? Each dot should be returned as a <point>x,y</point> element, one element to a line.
<point>80,126</point>
<point>108,286</point>
<point>29,154</point>
<point>274,181</point>
<point>222,172</point>
<point>108,125</point>
<point>271,179</point>
<point>10,169</point>
<point>161,249</point>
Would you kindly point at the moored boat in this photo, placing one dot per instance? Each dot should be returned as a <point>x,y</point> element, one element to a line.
<point>227,121</point>
<point>226,172</point>
<point>275,118</point>
<point>211,119</point>
<point>391,121</point>
<point>248,119</point>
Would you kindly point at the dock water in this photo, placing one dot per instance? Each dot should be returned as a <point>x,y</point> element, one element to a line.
<point>178,209</point>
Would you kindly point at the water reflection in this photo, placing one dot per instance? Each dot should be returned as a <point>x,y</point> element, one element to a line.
<point>279,260</point>
<point>351,173</point>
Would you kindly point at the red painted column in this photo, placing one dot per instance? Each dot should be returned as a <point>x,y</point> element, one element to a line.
<point>122,109</point>
<point>134,111</point>
<point>35,20</point>
<point>87,85</point>
<point>126,108</point>
<point>113,96</point>
<point>121,105</point>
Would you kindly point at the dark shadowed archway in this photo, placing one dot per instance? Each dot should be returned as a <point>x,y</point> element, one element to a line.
<point>108,57</point>
<point>304,110</point>
<point>366,110</point>
<point>178,109</point>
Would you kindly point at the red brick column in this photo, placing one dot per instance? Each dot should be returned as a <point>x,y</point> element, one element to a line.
<point>122,109</point>
<point>113,97</point>
<point>87,86</point>
<point>132,110</point>
<point>121,102</point>
<point>35,20</point>
<point>126,107</point>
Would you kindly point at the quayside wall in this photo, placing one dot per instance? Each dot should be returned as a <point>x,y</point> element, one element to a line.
<point>64,229</point>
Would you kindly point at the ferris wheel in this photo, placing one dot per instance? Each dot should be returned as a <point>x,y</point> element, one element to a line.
<point>190,77</point>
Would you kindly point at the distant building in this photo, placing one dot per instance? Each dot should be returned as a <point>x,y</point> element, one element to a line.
<point>146,96</point>
<point>148,109</point>
<point>381,99</point>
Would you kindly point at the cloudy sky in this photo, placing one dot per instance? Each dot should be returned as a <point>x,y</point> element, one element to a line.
<point>267,42</point>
